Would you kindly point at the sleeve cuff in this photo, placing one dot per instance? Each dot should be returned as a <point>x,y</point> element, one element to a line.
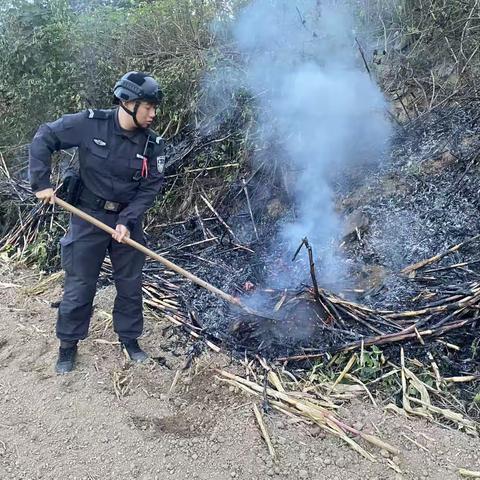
<point>130,224</point>
<point>39,187</point>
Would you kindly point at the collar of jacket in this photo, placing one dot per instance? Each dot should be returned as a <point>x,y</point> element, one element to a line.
<point>136,136</point>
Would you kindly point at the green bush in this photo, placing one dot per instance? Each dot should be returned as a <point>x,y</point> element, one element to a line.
<point>58,56</point>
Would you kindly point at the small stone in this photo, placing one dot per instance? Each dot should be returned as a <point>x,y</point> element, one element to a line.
<point>303,474</point>
<point>177,402</point>
<point>194,456</point>
<point>384,453</point>
<point>233,474</point>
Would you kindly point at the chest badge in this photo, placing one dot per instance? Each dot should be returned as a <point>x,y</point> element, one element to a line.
<point>161,163</point>
<point>99,142</point>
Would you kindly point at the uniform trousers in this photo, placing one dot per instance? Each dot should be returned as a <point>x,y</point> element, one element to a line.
<point>83,250</point>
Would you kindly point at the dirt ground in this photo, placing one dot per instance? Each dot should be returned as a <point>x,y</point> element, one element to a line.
<point>113,420</point>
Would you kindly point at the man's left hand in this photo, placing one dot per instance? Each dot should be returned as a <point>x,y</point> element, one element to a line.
<point>121,233</point>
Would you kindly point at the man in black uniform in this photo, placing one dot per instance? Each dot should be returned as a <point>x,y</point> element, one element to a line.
<point>121,171</point>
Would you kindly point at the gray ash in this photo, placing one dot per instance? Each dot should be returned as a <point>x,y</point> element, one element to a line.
<point>416,207</point>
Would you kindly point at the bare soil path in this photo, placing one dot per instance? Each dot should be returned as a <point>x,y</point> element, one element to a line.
<point>112,420</point>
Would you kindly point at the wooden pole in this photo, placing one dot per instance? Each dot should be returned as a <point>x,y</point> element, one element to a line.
<point>152,254</point>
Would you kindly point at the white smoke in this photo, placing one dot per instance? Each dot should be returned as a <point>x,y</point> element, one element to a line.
<point>317,101</point>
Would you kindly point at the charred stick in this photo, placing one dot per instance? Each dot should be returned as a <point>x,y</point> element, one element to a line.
<point>360,49</point>
<point>439,309</point>
<point>247,196</point>
<point>332,308</point>
<point>298,250</point>
<point>203,169</point>
<point>313,275</point>
<point>470,164</point>
<point>398,337</point>
<point>374,318</point>
<point>191,332</point>
<point>4,165</point>
<point>220,219</point>
<point>200,242</point>
<point>436,258</point>
<point>357,307</point>
<point>322,300</point>
<point>451,267</point>
<point>200,220</point>
<point>456,312</point>
<point>359,320</point>
<point>384,339</point>
<point>438,303</point>
<point>312,268</point>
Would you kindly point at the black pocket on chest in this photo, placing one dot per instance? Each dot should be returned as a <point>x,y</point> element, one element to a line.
<point>136,168</point>
<point>98,151</point>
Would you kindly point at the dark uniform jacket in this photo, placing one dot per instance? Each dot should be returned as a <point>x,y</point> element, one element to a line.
<point>111,160</point>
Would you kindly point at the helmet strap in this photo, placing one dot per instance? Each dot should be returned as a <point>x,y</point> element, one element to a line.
<point>133,113</point>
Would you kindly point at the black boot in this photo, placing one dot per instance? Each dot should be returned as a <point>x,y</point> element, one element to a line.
<point>66,357</point>
<point>135,353</point>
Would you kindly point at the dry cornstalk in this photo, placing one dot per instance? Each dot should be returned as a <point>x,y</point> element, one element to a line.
<point>121,383</point>
<point>347,368</point>
<point>419,445</point>
<point>8,285</point>
<point>467,378</point>
<point>468,473</point>
<point>178,373</point>
<point>412,268</point>
<point>219,218</point>
<point>312,411</point>
<point>264,431</point>
<point>179,323</point>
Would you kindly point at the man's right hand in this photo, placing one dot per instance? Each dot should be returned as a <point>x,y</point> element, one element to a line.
<point>46,195</point>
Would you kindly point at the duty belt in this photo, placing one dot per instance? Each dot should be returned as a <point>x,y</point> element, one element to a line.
<point>90,200</point>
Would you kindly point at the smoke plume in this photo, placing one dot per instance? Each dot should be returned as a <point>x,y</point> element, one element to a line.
<point>316,102</point>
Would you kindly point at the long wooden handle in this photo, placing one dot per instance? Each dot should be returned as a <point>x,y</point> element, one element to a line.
<point>150,253</point>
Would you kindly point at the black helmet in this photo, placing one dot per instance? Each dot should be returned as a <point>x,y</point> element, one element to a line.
<point>137,86</point>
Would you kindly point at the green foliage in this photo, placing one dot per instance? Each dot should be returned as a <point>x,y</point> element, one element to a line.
<point>40,252</point>
<point>59,56</point>
<point>36,65</point>
<point>373,364</point>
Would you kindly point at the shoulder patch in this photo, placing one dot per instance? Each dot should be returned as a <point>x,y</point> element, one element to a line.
<point>98,114</point>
